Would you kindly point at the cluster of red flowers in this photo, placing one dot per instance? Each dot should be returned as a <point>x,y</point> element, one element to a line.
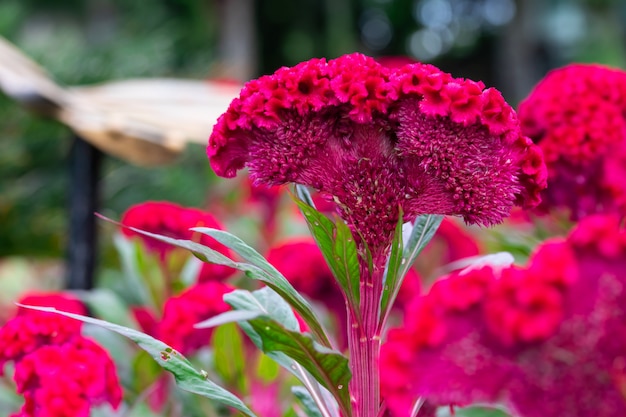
<point>59,372</point>
<point>198,302</point>
<point>545,340</point>
<point>379,139</point>
<point>171,220</point>
<point>576,115</point>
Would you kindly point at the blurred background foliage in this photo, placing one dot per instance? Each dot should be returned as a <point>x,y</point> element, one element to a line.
<point>506,43</point>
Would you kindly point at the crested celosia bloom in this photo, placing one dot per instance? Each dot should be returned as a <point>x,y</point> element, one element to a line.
<point>66,380</point>
<point>59,372</point>
<point>379,140</point>
<point>29,330</point>
<point>182,312</point>
<point>576,115</point>
<point>545,340</point>
<point>171,220</point>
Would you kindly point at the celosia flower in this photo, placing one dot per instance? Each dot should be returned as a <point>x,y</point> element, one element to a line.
<point>59,372</point>
<point>66,380</point>
<point>576,115</point>
<point>302,263</point>
<point>171,220</point>
<point>30,329</point>
<point>182,312</point>
<point>546,340</point>
<point>380,139</point>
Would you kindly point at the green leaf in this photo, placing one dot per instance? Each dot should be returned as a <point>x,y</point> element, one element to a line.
<point>229,354</point>
<point>240,247</point>
<point>347,259</point>
<point>472,411</point>
<point>303,194</point>
<point>145,371</point>
<point>266,273</point>
<point>107,305</point>
<point>187,377</point>
<point>393,278</point>
<point>264,302</point>
<point>128,252</point>
<point>277,334</point>
<point>339,249</point>
<point>423,230</point>
<point>308,404</point>
<point>227,317</point>
<point>329,367</point>
<point>267,369</point>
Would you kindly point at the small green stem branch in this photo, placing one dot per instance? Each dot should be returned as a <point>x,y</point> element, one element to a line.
<point>364,345</point>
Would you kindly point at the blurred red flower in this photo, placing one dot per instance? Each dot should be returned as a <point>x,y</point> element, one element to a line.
<point>59,372</point>
<point>546,340</point>
<point>576,115</point>
<point>171,220</point>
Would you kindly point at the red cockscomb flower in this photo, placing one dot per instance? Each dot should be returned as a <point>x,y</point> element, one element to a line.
<point>29,330</point>
<point>576,115</point>
<point>171,220</point>
<point>59,372</point>
<point>546,340</point>
<point>380,139</point>
<point>67,380</point>
<point>182,312</point>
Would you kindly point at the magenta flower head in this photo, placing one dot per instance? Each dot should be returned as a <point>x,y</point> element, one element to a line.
<point>546,340</point>
<point>576,115</point>
<point>377,140</point>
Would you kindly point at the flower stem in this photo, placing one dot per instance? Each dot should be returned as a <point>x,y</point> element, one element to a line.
<point>364,346</point>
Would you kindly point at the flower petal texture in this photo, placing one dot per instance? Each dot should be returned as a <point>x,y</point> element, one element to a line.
<point>576,115</point>
<point>378,139</point>
<point>546,340</point>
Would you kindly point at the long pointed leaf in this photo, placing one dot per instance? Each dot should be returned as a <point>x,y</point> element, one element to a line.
<point>227,317</point>
<point>275,281</point>
<point>392,278</point>
<point>303,194</point>
<point>330,368</point>
<point>242,248</point>
<point>424,229</point>
<point>187,377</point>
<point>264,302</point>
<point>347,260</point>
<point>340,254</point>
<point>276,334</point>
<point>310,408</point>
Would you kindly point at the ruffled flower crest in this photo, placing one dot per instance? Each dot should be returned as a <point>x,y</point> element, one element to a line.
<point>378,139</point>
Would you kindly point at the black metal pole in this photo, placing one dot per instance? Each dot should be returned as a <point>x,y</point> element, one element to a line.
<point>84,165</point>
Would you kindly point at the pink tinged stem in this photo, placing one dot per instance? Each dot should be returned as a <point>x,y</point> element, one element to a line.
<point>364,346</point>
